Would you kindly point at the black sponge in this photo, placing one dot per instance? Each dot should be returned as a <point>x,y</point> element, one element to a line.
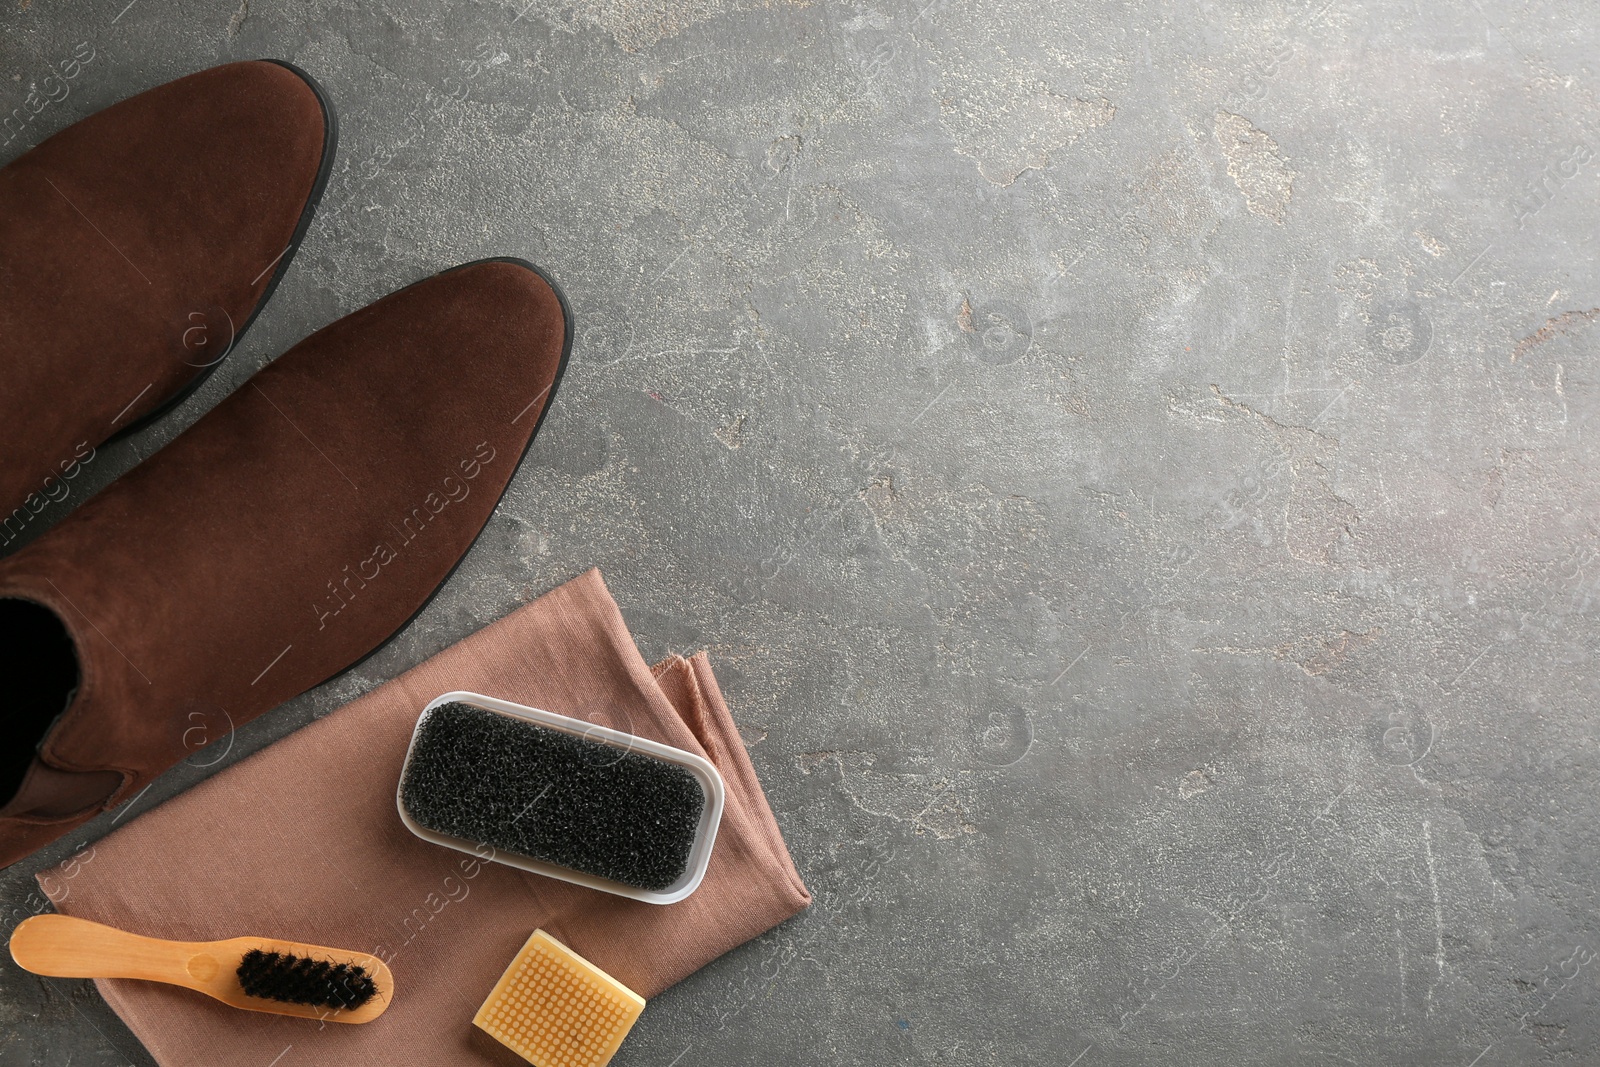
<point>298,980</point>
<point>548,795</point>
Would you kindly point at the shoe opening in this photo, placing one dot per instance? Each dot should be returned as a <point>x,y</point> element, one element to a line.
<point>40,668</point>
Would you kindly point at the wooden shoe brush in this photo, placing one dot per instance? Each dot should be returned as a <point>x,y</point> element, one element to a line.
<point>254,973</point>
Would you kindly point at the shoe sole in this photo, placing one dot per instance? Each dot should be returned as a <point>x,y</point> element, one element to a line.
<point>330,144</point>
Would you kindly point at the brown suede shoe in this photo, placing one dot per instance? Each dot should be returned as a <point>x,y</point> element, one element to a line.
<point>135,247</point>
<point>283,537</point>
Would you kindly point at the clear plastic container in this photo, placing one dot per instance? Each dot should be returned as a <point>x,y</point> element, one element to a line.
<point>705,834</point>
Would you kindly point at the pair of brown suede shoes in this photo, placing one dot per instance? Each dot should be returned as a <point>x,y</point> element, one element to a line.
<point>295,527</point>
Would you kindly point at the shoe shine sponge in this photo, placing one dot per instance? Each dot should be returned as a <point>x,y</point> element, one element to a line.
<point>554,1008</point>
<point>561,797</point>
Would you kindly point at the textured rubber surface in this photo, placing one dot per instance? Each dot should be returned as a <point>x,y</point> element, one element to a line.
<point>554,1008</point>
<point>528,789</point>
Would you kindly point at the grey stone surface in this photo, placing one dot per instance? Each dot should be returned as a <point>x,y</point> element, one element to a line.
<point>1127,462</point>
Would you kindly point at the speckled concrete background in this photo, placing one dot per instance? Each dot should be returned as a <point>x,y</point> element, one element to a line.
<point>1127,464</point>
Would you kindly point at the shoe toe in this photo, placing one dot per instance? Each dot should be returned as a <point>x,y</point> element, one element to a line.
<point>137,244</point>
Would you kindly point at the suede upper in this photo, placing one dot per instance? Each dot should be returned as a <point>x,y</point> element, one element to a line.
<point>134,246</point>
<point>292,529</point>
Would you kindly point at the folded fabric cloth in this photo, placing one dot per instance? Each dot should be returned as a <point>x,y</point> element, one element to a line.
<point>302,841</point>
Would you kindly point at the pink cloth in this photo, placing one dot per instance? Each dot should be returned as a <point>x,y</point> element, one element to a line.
<point>302,841</point>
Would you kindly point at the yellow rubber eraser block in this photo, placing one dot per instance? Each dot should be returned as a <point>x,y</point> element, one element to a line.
<point>554,1008</point>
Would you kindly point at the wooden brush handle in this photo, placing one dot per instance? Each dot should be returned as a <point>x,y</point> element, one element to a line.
<point>65,947</point>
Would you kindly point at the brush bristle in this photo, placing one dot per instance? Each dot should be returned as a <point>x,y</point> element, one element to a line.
<point>520,787</point>
<point>295,979</point>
